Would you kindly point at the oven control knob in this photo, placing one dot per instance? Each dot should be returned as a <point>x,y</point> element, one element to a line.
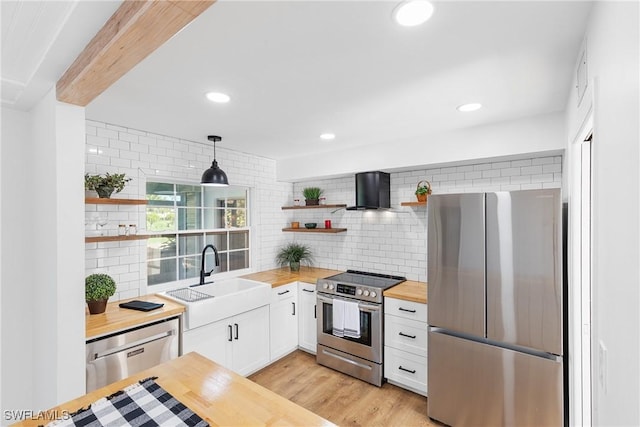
<point>326,286</point>
<point>366,292</point>
<point>330,287</point>
<point>359,292</point>
<point>373,294</point>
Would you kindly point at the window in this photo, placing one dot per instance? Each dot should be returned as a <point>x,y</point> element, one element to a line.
<point>183,218</point>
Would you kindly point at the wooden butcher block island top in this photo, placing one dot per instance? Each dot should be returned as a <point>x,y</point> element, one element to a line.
<point>284,276</point>
<point>218,395</point>
<point>116,319</point>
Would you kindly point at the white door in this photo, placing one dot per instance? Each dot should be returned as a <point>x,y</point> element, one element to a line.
<point>307,320</point>
<point>251,340</point>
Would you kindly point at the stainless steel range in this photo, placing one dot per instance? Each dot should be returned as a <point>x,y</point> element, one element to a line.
<point>354,296</point>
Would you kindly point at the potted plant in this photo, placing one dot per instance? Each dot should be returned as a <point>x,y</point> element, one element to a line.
<point>292,254</point>
<point>423,190</point>
<point>312,195</point>
<point>97,290</point>
<point>105,184</point>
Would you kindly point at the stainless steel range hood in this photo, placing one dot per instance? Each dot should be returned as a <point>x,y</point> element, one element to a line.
<point>373,191</point>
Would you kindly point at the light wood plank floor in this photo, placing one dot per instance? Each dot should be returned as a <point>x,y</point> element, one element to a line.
<point>342,399</point>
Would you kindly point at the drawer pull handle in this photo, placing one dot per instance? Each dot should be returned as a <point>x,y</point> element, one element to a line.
<point>308,290</point>
<point>406,309</point>
<point>413,337</point>
<point>411,371</point>
<point>285,292</point>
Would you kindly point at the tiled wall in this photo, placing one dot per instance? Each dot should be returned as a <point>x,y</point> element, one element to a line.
<point>395,241</point>
<point>391,242</point>
<point>143,156</point>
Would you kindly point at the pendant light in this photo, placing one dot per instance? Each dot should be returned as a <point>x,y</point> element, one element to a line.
<point>214,176</point>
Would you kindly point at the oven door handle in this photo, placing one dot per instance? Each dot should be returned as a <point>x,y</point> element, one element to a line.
<point>363,307</point>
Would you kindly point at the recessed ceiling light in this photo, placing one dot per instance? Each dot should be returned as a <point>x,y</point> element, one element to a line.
<point>328,136</point>
<point>220,98</point>
<point>465,108</point>
<point>412,13</point>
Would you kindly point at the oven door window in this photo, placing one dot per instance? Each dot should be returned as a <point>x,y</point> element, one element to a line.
<point>365,324</point>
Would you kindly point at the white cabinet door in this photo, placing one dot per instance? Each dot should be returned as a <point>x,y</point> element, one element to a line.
<point>240,343</point>
<point>307,320</point>
<point>284,320</point>
<point>213,341</point>
<point>251,340</point>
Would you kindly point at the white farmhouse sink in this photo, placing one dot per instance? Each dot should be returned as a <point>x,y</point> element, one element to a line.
<point>221,299</point>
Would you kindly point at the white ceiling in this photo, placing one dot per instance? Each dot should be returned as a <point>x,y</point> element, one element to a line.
<point>296,69</point>
<point>40,39</point>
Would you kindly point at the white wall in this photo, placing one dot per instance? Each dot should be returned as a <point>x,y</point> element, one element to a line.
<point>395,241</point>
<point>55,254</point>
<point>144,156</point>
<point>534,136</point>
<point>385,242</point>
<point>42,256</point>
<point>17,261</point>
<point>614,74</point>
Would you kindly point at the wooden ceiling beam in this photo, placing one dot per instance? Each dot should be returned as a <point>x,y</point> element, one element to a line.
<point>135,30</point>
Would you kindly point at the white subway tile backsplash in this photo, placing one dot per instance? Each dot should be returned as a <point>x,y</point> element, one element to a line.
<point>384,242</point>
<point>491,173</point>
<point>544,160</point>
<point>556,167</point>
<point>520,163</point>
<point>107,133</point>
<point>532,170</point>
<point>510,171</point>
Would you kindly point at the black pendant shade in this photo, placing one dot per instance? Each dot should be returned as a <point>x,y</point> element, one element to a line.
<point>214,176</point>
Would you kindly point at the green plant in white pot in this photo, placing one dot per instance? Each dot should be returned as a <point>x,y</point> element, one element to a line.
<point>98,287</point>
<point>292,254</point>
<point>105,184</point>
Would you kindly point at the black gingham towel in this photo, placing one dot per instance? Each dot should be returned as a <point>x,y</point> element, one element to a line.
<point>142,404</point>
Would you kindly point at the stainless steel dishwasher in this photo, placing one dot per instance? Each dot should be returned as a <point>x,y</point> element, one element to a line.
<point>119,355</point>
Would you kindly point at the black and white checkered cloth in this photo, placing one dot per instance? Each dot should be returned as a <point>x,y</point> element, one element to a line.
<point>142,404</point>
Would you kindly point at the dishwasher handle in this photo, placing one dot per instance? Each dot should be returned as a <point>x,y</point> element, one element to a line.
<point>119,349</point>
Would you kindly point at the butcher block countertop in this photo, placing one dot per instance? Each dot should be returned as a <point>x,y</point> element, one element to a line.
<point>284,276</point>
<point>115,319</point>
<point>408,291</point>
<point>216,394</point>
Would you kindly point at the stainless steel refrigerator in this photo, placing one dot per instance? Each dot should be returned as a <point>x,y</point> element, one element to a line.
<point>496,297</point>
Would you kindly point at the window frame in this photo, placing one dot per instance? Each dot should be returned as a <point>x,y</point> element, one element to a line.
<point>203,233</point>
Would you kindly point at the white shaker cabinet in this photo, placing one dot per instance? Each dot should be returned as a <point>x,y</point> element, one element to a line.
<point>283,312</point>
<point>240,343</point>
<point>307,320</point>
<point>405,344</point>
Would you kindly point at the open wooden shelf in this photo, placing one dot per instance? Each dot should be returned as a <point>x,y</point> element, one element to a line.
<point>315,230</point>
<point>94,239</point>
<point>313,207</point>
<point>413,204</point>
<point>103,201</point>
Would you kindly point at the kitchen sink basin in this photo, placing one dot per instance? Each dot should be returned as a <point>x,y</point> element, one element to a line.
<point>219,300</point>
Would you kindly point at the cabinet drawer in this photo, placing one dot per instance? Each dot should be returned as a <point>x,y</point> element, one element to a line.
<point>284,292</point>
<point>406,309</point>
<point>405,334</point>
<point>406,369</point>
